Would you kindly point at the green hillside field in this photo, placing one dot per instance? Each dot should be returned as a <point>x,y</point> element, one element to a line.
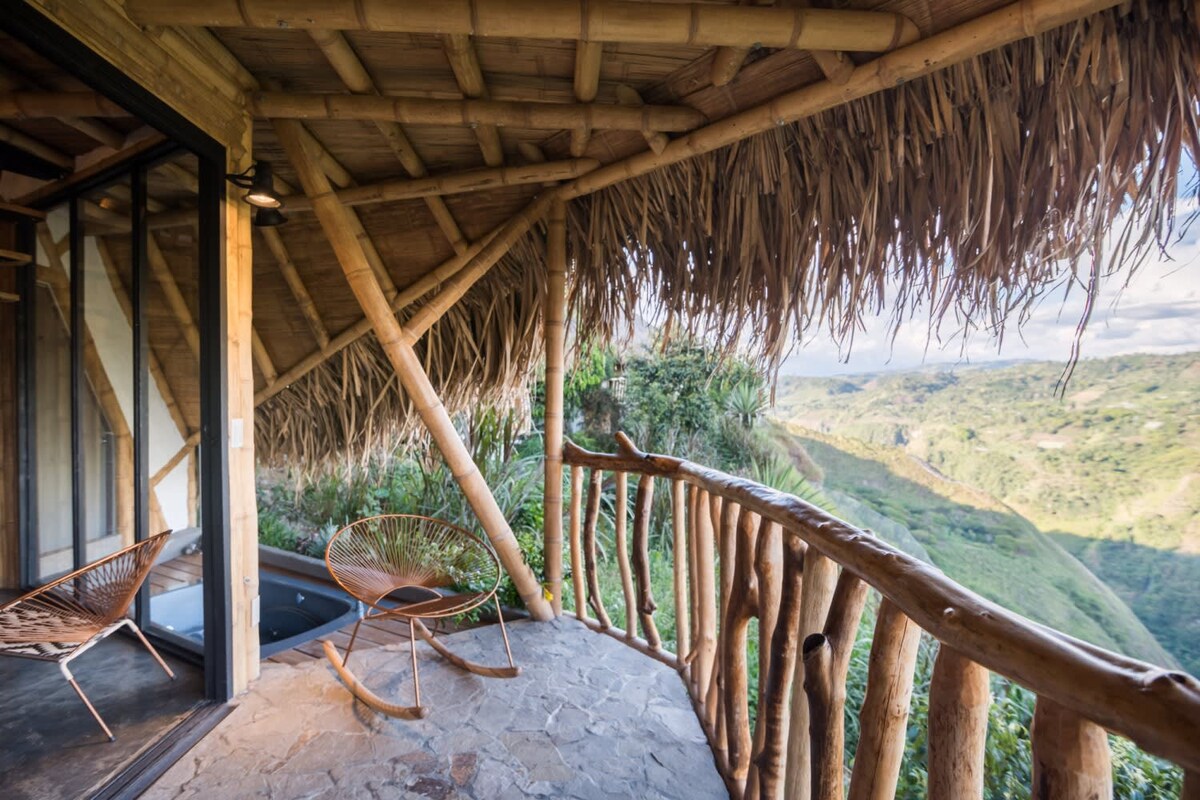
<point>998,479</point>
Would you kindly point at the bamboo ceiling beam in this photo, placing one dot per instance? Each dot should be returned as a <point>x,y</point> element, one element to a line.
<point>262,358</point>
<point>332,216</point>
<point>996,29</point>
<point>696,24</point>
<point>727,61</point>
<point>36,148</point>
<point>174,297</point>
<point>630,97</point>
<point>421,111</point>
<point>353,73</point>
<point>41,105</point>
<point>588,56</point>
<point>295,283</point>
<point>464,61</point>
<point>93,129</point>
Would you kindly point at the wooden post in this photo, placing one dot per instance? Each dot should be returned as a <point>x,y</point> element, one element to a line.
<point>594,598</point>
<point>706,610</point>
<point>826,662</point>
<point>739,608</point>
<point>820,577</point>
<point>1071,760</point>
<point>576,560</point>
<point>683,638</point>
<point>774,711</point>
<point>642,507</point>
<point>395,342</point>
<point>621,525</point>
<point>959,697</point>
<point>725,516</point>
<point>884,715</point>
<point>554,326</point>
<point>768,569</point>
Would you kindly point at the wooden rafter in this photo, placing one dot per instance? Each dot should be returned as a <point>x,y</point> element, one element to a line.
<point>295,283</point>
<point>93,129</point>
<point>460,52</point>
<point>35,105</point>
<point>420,111</point>
<point>332,216</point>
<point>174,297</point>
<point>697,24</point>
<point>36,148</point>
<point>262,358</point>
<point>354,74</point>
<point>588,56</point>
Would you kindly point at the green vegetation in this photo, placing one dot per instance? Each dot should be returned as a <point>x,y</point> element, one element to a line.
<point>1110,472</point>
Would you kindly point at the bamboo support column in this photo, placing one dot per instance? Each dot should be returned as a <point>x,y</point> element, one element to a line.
<point>773,712</point>
<point>396,342</point>
<point>959,696</point>
<point>683,639</point>
<point>884,715</point>
<point>576,560</point>
<point>1071,760</point>
<point>554,323</point>
<point>826,662</point>
<point>642,507</point>
<point>820,577</point>
<point>594,598</point>
<point>621,525</point>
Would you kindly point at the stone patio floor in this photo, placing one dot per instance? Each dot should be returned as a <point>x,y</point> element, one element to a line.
<point>587,718</point>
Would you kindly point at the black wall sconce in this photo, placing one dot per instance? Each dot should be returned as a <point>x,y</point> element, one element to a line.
<point>261,194</point>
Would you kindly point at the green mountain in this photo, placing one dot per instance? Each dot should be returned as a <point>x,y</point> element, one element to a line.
<point>998,479</point>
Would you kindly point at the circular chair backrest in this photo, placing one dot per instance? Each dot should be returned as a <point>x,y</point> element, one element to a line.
<point>374,557</point>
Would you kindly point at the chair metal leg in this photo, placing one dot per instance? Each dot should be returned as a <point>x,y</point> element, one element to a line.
<point>504,633</point>
<point>146,642</point>
<point>353,636</point>
<point>412,640</point>
<point>71,680</point>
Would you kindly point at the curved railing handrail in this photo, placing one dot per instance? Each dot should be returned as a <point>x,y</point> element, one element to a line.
<point>1158,709</point>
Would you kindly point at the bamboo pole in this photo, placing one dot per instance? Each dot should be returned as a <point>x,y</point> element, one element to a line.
<point>554,327</point>
<point>694,596</point>
<point>49,104</point>
<point>594,598</point>
<point>1009,24</point>
<point>725,518</point>
<point>629,96</point>
<point>820,579</point>
<point>768,569</point>
<point>262,358</point>
<point>959,696</point>
<point>161,271</point>
<point>826,661</point>
<point>33,147</point>
<point>475,180</point>
<point>642,507</point>
<point>465,64</point>
<point>621,525</point>
<point>884,716</point>
<point>587,85</point>
<point>680,556</point>
<point>514,114</point>
<point>576,561</point>
<point>695,24</point>
<point>706,609</point>
<point>774,710</point>
<point>295,283</point>
<point>739,608</point>
<point>334,221</point>
<point>1071,760</point>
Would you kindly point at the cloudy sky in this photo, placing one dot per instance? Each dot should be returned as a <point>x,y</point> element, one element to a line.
<point>1157,312</point>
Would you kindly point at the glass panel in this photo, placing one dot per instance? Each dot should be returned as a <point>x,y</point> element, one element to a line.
<point>51,406</point>
<point>173,333</point>
<point>106,423</point>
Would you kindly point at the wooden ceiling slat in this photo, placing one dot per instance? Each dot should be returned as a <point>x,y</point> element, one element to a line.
<point>460,52</point>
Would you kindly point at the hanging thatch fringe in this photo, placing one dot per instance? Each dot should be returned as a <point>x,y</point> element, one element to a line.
<point>963,195</point>
<point>352,409</point>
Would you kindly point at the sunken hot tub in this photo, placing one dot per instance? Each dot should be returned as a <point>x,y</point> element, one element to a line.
<point>291,612</point>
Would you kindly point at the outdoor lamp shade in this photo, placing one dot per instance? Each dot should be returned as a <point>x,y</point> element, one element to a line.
<point>268,217</point>
<point>262,188</point>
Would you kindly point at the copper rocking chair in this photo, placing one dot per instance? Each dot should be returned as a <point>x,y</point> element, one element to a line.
<point>375,557</point>
<point>60,621</point>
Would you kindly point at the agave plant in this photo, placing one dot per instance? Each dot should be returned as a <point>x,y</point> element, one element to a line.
<point>778,473</point>
<point>745,403</point>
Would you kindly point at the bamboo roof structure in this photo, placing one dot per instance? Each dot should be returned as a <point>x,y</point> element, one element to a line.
<point>748,173</point>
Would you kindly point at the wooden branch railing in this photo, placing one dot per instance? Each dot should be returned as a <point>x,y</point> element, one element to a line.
<point>745,552</point>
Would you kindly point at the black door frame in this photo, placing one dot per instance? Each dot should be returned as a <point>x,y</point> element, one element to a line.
<point>31,27</point>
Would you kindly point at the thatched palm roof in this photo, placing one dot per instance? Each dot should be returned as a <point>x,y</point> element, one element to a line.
<point>963,194</point>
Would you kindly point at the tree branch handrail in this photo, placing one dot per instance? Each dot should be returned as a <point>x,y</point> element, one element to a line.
<point>1157,708</point>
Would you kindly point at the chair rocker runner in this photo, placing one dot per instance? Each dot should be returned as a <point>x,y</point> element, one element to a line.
<point>60,621</point>
<point>375,557</point>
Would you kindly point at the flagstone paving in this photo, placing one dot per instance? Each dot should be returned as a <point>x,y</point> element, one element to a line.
<point>587,718</point>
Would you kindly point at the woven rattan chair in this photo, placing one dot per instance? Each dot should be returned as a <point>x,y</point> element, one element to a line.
<point>61,620</point>
<point>378,556</point>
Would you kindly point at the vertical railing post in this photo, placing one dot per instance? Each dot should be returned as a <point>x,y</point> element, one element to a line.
<point>642,508</point>
<point>959,697</point>
<point>554,324</point>
<point>621,535</point>
<point>576,555</point>
<point>1071,760</point>
<point>706,596</point>
<point>683,638</point>
<point>594,598</point>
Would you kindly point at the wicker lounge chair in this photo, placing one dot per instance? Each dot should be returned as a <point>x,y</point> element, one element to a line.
<point>375,557</point>
<point>60,621</point>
